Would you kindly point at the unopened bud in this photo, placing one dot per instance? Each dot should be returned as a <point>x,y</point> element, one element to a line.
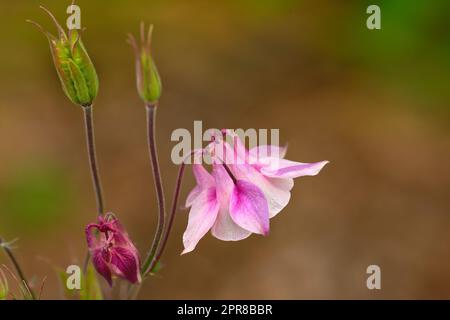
<point>73,65</point>
<point>147,77</point>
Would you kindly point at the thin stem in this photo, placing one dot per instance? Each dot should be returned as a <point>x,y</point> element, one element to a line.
<point>89,124</point>
<point>86,261</point>
<point>173,211</point>
<point>19,271</point>
<point>90,142</point>
<point>134,290</point>
<point>151,119</point>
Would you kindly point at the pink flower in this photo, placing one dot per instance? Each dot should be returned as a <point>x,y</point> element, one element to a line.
<point>244,190</point>
<point>112,251</point>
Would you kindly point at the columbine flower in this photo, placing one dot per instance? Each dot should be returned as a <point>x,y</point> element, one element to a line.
<point>147,77</point>
<point>112,251</point>
<point>266,167</point>
<point>73,65</point>
<point>244,190</point>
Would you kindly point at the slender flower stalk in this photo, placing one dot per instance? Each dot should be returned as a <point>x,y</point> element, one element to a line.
<point>134,291</point>
<point>16,265</point>
<point>149,87</point>
<point>95,175</point>
<point>90,140</point>
<point>151,121</point>
<point>173,211</point>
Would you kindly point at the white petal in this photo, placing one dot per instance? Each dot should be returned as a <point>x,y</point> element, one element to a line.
<point>225,228</point>
<point>202,216</point>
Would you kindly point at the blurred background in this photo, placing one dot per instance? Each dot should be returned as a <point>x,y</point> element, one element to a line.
<point>376,103</point>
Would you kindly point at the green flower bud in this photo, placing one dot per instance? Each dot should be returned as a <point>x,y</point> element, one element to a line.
<point>74,67</point>
<point>147,77</point>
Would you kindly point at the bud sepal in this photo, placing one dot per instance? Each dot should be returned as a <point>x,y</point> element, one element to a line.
<point>148,82</point>
<point>73,65</point>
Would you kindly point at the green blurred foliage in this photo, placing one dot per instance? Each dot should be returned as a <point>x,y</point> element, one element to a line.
<point>259,8</point>
<point>90,288</point>
<point>35,196</point>
<point>411,51</point>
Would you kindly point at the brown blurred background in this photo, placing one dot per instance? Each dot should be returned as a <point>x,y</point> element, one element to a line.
<point>374,103</point>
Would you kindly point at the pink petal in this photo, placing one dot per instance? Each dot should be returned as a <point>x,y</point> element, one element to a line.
<point>225,228</point>
<point>229,153</point>
<point>237,147</point>
<point>204,180</point>
<point>125,264</point>
<point>248,208</point>
<point>201,218</point>
<point>114,223</point>
<point>120,235</point>
<point>224,183</point>
<point>101,265</point>
<point>282,168</point>
<point>192,196</point>
<point>92,241</point>
<point>202,176</point>
<point>276,191</point>
<point>265,151</point>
